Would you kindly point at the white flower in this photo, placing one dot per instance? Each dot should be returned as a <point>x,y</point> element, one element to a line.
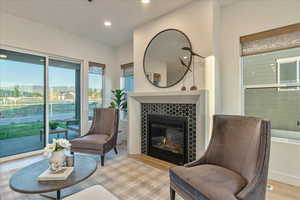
<point>60,143</point>
<point>63,143</point>
<point>49,148</point>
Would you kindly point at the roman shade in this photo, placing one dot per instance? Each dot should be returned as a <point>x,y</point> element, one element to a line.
<point>127,69</point>
<point>272,40</point>
<point>96,68</point>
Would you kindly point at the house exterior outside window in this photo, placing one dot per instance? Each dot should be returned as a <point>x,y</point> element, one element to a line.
<point>271,79</point>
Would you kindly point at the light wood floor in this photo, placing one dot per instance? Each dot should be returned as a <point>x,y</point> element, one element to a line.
<point>280,191</point>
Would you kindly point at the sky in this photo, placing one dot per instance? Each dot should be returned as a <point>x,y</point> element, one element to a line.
<point>19,73</point>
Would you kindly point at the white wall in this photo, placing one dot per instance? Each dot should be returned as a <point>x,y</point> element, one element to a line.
<point>25,34</point>
<point>243,18</point>
<point>124,56</point>
<point>196,20</point>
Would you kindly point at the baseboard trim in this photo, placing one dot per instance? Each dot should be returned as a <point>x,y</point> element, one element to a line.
<point>284,178</point>
<point>19,156</point>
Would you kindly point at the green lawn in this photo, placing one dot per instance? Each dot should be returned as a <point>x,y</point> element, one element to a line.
<point>21,129</point>
<point>28,110</point>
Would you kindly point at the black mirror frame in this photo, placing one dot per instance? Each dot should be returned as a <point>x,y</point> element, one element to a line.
<point>188,66</point>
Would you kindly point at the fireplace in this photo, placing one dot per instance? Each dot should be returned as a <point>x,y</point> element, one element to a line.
<point>167,138</point>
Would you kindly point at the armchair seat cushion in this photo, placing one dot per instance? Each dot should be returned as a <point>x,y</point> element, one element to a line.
<point>93,142</point>
<point>214,182</point>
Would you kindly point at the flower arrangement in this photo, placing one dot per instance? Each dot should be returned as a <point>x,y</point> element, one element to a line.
<point>57,145</point>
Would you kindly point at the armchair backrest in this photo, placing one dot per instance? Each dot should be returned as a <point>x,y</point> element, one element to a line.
<point>105,121</point>
<point>241,144</point>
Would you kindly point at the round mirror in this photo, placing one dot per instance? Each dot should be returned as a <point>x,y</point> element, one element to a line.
<point>165,61</point>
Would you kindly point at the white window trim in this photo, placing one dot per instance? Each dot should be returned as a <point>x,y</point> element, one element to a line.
<point>287,60</point>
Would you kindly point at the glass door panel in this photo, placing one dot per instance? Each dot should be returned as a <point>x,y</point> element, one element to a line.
<point>22,102</point>
<point>64,99</point>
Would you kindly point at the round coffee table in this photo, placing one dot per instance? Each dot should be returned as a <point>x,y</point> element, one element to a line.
<point>26,179</point>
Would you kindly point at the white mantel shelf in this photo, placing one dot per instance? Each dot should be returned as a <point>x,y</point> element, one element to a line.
<point>168,97</point>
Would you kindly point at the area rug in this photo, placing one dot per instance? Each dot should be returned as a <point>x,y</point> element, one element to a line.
<point>126,178</point>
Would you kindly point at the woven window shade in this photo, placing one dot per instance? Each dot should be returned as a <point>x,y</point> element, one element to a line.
<point>273,40</point>
<point>96,68</point>
<point>127,69</point>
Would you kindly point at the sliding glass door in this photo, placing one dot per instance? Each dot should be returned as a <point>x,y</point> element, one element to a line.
<point>64,99</point>
<point>26,111</point>
<point>22,102</point>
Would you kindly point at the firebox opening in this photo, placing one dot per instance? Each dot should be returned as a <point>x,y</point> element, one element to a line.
<point>167,138</point>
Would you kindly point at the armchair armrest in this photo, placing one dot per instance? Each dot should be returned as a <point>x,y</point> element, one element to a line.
<point>252,189</point>
<point>200,161</point>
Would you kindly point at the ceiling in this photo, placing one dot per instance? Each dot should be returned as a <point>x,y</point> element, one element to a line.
<point>86,19</point>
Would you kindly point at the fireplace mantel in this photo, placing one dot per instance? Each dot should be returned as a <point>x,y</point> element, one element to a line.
<point>168,97</point>
<point>191,97</point>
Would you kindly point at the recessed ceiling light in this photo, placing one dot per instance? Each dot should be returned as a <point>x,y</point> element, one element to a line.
<point>145,1</point>
<point>3,56</point>
<point>107,23</point>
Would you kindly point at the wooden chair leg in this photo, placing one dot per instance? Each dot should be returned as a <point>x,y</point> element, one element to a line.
<point>102,159</point>
<point>116,150</point>
<point>172,194</point>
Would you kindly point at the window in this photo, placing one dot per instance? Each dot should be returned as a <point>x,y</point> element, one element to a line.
<point>271,78</point>
<point>127,81</point>
<point>271,90</point>
<point>95,87</point>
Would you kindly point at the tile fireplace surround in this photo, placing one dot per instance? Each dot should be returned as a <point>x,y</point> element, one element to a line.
<point>189,104</point>
<point>187,111</point>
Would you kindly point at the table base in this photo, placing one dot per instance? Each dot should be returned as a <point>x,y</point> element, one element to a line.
<point>61,193</point>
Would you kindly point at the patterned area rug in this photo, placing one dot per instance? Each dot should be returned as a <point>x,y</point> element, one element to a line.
<point>126,178</point>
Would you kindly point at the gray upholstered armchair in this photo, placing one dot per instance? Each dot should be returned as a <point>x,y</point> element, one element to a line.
<point>102,136</point>
<point>234,167</point>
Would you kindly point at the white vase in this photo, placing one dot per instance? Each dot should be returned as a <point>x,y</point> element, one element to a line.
<point>57,160</point>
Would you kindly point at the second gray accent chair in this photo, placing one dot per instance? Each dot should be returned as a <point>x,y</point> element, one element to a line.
<point>102,136</point>
<point>234,167</point>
